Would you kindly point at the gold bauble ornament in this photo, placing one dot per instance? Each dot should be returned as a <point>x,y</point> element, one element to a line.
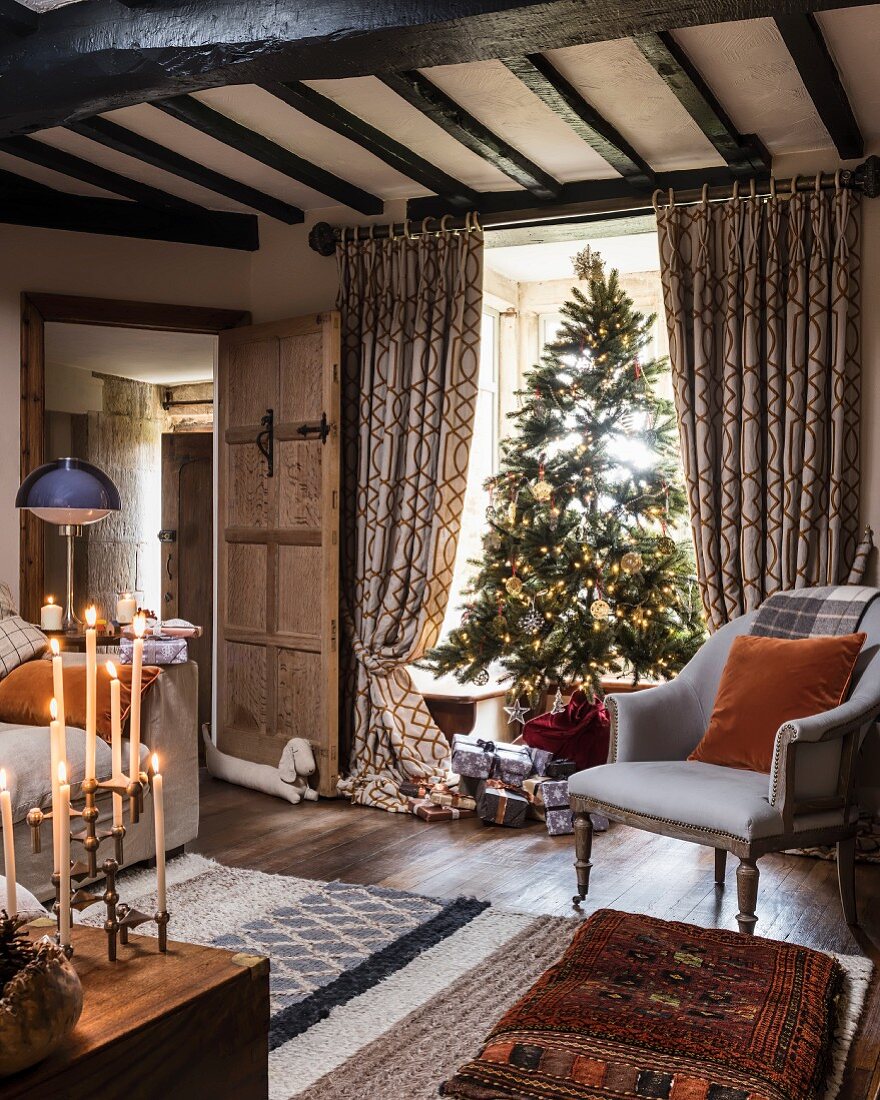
<point>542,490</point>
<point>513,585</point>
<point>665,545</point>
<point>631,562</point>
<point>600,609</point>
<point>511,512</point>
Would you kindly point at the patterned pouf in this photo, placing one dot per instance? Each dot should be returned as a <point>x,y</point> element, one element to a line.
<point>644,1008</point>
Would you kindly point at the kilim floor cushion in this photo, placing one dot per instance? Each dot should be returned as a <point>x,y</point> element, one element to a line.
<point>644,1008</point>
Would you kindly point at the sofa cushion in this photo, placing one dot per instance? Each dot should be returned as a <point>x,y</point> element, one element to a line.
<point>767,682</point>
<point>25,754</point>
<point>26,691</point>
<point>19,642</point>
<point>709,797</point>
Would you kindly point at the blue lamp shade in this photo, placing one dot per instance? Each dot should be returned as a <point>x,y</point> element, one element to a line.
<point>68,491</point>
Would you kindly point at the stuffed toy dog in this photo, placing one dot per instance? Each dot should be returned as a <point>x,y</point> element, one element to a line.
<point>289,780</point>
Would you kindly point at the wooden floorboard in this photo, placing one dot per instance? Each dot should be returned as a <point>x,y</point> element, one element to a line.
<point>528,870</point>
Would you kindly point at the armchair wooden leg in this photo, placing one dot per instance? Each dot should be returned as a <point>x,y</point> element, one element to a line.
<point>747,895</point>
<point>583,847</point>
<point>846,878</point>
<point>720,865</point>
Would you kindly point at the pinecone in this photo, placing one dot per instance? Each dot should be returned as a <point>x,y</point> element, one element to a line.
<point>16,950</point>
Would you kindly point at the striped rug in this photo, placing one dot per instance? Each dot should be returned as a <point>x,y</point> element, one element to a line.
<point>375,992</point>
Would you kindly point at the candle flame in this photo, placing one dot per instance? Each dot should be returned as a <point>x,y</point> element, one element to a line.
<point>91,615</point>
<point>2,779</point>
<point>140,624</point>
<point>155,763</point>
<point>62,772</point>
<point>53,708</point>
<point>111,668</point>
<point>50,599</point>
<point>55,647</point>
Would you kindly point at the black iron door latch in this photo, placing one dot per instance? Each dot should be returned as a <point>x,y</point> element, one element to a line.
<point>266,441</point>
<point>321,430</point>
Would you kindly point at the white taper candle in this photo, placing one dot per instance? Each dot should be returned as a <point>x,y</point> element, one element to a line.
<point>159,818</point>
<point>8,845</point>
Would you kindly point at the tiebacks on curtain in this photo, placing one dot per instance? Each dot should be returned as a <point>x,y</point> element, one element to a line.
<point>865,179</point>
<point>323,237</point>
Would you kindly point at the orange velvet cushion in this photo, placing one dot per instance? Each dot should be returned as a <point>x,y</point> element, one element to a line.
<point>26,691</point>
<point>768,681</point>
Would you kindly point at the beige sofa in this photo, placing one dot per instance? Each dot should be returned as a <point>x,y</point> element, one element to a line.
<point>169,727</point>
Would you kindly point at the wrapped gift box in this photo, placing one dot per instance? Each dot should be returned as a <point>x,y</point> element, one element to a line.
<point>553,794</point>
<point>472,756</point>
<point>501,806</point>
<point>560,822</point>
<point>540,759</point>
<point>157,651</point>
<point>512,764</point>
<point>417,788</point>
<point>560,769</point>
<point>430,811</point>
<point>454,799</point>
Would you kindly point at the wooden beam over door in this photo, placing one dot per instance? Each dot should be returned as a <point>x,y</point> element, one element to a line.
<point>199,115</point>
<point>440,108</point>
<point>543,79</point>
<point>805,42</point>
<point>744,154</point>
<point>328,113</point>
<point>92,57</point>
<point>122,140</point>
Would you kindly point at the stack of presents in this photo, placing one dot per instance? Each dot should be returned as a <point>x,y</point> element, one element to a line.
<point>510,784</point>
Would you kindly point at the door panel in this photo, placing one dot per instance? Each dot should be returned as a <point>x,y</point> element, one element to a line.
<point>278,541</point>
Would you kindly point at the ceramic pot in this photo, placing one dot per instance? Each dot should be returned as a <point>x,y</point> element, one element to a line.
<point>38,1008</point>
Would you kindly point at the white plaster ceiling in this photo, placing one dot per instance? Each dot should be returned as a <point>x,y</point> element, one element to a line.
<point>164,358</point>
<point>535,263</point>
<point>746,64</point>
<point>749,69</point>
<point>622,85</point>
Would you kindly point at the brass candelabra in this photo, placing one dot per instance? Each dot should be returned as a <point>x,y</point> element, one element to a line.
<point>121,918</point>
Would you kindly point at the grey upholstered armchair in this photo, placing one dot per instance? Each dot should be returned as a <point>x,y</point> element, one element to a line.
<point>806,800</point>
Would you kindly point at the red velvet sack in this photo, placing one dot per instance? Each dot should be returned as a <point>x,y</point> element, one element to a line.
<point>582,732</point>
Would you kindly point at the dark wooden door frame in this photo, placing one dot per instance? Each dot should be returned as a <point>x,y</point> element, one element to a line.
<point>36,310</point>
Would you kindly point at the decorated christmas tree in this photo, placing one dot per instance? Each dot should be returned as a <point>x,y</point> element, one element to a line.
<point>581,576</point>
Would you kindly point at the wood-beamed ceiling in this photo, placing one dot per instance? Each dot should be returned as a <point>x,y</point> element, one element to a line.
<point>533,106</point>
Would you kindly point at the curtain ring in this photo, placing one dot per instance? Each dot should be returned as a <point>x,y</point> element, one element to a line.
<point>392,236</point>
<point>425,229</point>
<point>704,194</point>
<point>837,176</point>
<point>753,188</point>
<point>477,224</point>
<point>818,182</point>
<point>794,185</point>
<point>406,230</point>
<point>671,199</point>
<point>735,190</point>
<point>655,202</point>
<point>772,187</point>
<point>370,231</point>
<point>444,228</point>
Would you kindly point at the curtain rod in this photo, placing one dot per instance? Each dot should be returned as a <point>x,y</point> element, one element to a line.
<point>865,178</point>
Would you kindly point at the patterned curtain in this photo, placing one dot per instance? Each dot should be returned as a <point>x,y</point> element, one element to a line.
<point>411,312</point>
<point>762,308</point>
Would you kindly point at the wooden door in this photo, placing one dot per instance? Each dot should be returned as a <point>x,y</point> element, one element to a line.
<point>187,545</point>
<point>278,541</point>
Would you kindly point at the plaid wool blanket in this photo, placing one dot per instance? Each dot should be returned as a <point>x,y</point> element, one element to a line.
<point>832,609</point>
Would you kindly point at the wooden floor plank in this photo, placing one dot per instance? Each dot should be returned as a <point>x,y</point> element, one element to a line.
<point>531,871</point>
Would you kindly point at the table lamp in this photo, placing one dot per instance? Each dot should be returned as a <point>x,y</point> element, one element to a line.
<point>71,493</point>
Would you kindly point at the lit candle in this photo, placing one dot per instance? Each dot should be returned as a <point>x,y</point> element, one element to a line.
<point>137,661</point>
<point>64,903</point>
<point>91,689</point>
<point>115,741</point>
<point>159,818</point>
<point>126,606</point>
<point>50,614</point>
<point>8,845</point>
<point>57,760</point>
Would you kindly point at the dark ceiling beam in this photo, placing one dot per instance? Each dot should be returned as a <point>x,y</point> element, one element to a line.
<point>17,20</point>
<point>92,57</point>
<point>580,197</point>
<point>24,202</point>
<point>328,113</point>
<point>118,138</point>
<point>542,78</point>
<point>201,117</point>
<point>805,42</point>
<point>450,116</point>
<point>58,160</point>
<point>744,154</point>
